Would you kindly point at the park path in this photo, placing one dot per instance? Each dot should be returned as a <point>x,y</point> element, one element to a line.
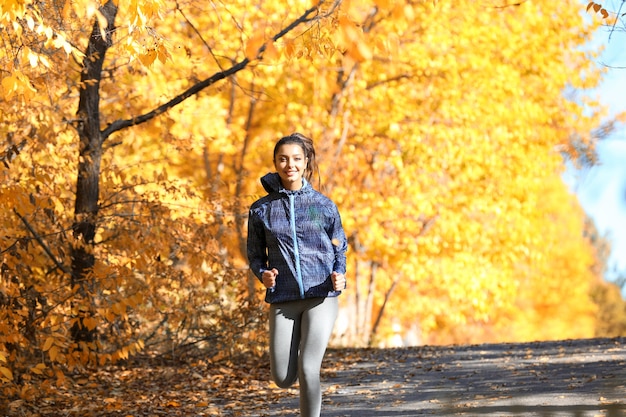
<point>561,378</point>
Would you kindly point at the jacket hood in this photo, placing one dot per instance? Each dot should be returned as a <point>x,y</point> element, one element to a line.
<point>271,183</point>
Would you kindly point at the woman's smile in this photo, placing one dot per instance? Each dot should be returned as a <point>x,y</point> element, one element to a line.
<point>290,164</point>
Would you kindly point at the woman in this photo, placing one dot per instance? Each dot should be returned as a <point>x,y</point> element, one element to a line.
<point>297,248</point>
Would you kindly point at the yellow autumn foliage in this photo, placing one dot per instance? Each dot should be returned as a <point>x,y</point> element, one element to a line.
<point>441,129</point>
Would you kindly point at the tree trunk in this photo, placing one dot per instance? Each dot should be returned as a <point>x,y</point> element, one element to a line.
<point>379,316</point>
<point>241,214</point>
<point>371,290</point>
<point>87,184</point>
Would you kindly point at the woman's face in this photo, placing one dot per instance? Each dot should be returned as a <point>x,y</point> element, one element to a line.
<point>290,164</point>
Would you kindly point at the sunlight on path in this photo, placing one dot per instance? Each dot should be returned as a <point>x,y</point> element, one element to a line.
<point>584,378</point>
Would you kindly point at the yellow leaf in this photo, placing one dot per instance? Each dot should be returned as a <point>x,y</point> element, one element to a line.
<point>102,22</point>
<point>30,22</point>
<point>409,13</point>
<point>123,353</point>
<point>32,58</point>
<point>78,55</point>
<point>38,369</point>
<point>7,373</point>
<point>364,51</point>
<point>9,85</point>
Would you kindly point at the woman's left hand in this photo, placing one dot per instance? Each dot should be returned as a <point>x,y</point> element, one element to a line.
<point>339,281</point>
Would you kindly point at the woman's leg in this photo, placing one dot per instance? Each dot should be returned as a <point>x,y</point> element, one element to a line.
<point>284,342</point>
<point>317,326</point>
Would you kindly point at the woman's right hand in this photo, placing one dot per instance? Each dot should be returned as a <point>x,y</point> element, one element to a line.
<point>269,277</point>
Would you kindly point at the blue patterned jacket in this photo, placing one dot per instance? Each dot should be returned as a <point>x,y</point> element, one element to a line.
<point>300,234</point>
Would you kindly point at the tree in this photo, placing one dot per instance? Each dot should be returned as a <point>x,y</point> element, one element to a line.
<point>440,126</point>
<point>106,280</point>
<point>598,8</point>
<point>461,138</point>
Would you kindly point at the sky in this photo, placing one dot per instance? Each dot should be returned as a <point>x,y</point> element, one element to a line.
<point>601,189</point>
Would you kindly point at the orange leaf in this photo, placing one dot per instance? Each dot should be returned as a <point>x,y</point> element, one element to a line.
<point>290,48</point>
<point>48,344</point>
<point>271,52</point>
<point>54,351</point>
<point>252,48</point>
<point>148,58</point>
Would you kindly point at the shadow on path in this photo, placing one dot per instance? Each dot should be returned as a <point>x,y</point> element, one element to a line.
<point>562,378</point>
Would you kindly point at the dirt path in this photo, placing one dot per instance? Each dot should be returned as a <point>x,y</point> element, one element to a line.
<point>582,378</point>
<point>566,378</point>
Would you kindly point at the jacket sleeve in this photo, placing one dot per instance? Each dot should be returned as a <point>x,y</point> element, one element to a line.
<point>256,245</point>
<point>340,243</point>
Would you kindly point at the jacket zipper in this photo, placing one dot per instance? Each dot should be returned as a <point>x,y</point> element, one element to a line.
<point>296,251</point>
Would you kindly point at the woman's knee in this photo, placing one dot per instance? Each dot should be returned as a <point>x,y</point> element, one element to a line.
<point>284,381</point>
<point>309,373</point>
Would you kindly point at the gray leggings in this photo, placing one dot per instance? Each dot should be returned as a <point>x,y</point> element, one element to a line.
<point>299,334</point>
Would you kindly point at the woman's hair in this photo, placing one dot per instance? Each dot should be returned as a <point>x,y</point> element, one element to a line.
<point>309,152</point>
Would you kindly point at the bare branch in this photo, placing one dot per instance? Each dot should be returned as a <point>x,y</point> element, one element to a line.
<point>309,15</point>
<point>41,242</point>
